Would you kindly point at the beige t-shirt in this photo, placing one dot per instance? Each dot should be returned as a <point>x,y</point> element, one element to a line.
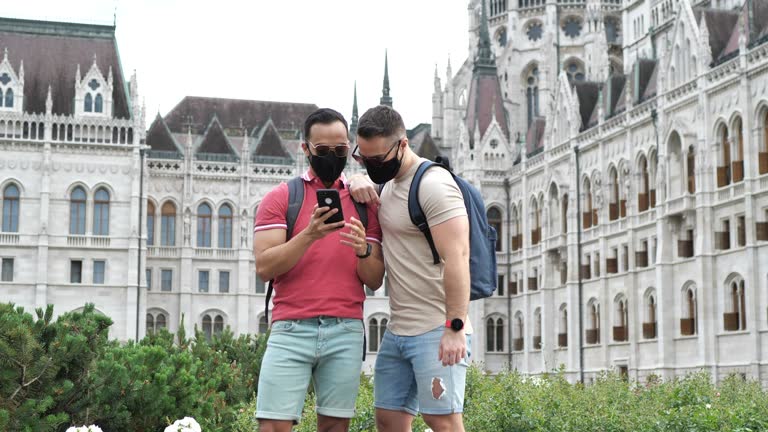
<point>415,283</point>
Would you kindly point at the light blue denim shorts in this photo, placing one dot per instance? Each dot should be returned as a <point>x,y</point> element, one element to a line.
<point>327,350</point>
<point>409,376</point>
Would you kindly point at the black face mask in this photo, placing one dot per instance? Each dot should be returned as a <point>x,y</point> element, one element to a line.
<point>386,171</point>
<point>328,167</point>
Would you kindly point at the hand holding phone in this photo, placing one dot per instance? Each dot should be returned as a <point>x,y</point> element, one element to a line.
<point>330,198</point>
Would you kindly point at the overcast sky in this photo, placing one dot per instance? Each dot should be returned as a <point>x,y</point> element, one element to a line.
<point>286,50</point>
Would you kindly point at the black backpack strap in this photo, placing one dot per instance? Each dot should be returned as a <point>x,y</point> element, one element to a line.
<point>415,211</point>
<point>295,200</point>
<point>362,213</point>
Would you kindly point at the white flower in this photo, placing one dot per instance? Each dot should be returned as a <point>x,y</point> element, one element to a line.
<point>91,428</point>
<point>187,424</point>
<point>709,406</point>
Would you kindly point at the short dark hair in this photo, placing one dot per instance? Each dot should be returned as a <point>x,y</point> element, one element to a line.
<point>380,121</point>
<point>323,116</point>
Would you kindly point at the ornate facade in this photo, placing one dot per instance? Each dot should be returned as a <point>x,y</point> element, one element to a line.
<point>622,148</point>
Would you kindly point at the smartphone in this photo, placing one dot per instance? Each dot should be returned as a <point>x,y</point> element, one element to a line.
<point>330,198</point>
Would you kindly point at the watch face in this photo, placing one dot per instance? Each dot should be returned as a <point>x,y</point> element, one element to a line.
<point>457,324</point>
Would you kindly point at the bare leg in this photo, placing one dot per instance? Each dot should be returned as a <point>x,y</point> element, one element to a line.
<point>393,421</point>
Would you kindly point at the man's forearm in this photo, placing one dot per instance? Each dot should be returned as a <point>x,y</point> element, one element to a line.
<point>371,270</point>
<point>456,282</point>
<point>280,259</point>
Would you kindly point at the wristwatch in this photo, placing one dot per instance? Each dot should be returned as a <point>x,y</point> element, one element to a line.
<point>455,324</point>
<point>367,251</point>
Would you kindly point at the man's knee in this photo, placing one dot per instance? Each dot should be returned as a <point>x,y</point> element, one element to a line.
<point>332,424</point>
<point>266,425</point>
<point>395,421</point>
<point>445,423</point>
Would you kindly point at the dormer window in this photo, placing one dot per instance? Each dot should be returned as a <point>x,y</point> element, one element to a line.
<point>92,104</point>
<point>6,93</point>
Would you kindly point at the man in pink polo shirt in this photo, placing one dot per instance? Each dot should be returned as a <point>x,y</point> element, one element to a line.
<point>319,273</point>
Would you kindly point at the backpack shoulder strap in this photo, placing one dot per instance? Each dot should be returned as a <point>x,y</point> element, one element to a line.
<point>415,211</point>
<point>295,200</point>
<point>362,212</point>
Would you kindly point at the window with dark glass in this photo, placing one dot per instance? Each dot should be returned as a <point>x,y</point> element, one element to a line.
<point>76,271</point>
<point>202,280</point>
<point>99,269</point>
<point>7,271</point>
<point>572,27</point>
<point>11,209</point>
<point>150,223</point>
<point>223,281</point>
<point>166,280</point>
<point>101,213</point>
<point>204,225</point>
<point>535,31</point>
<point>168,225</point>
<point>225,227</point>
<point>77,211</point>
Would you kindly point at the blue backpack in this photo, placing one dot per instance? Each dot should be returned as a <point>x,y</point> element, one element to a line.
<point>482,236</point>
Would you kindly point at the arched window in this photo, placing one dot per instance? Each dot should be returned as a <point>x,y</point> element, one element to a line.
<point>554,211</point>
<point>207,326</point>
<point>11,208</point>
<point>735,318</point>
<point>691,162</point>
<point>642,195</point>
<point>587,212</point>
<point>376,330</point>
<point>532,94</point>
<point>204,225</point>
<point>494,335</point>
<point>572,27</point>
<point>724,170</point>
<point>517,234</point>
<point>77,211</point>
<point>101,212</point>
<point>225,227</point>
<point>593,331</point>
<point>620,320</point>
<point>218,325</point>
<point>168,224</point>
<point>156,321</point>
<point>98,106</point>
<point>649,323</point>
<point>150,223</point>
<point>652,169</point>
<point>494,220</point>
<point>562,335</point>
<point>564,213</point>
<point>9,98</point>
<point>518,332</point>
<point>88,103</point>
<point>537,329</point>
<point>688,324</point>
<point>263,325</point>
<point>613,205</point>
<point>763,152</point>
<point>1,97</point>
<point>535,222</point>
<point>737,170</point>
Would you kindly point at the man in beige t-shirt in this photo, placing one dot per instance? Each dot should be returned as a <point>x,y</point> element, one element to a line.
<point>421,363</point>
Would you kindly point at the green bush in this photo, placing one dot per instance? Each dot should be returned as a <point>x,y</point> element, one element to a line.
<point>54,374</point>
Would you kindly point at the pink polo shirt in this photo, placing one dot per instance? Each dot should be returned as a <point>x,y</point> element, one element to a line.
<point>324,281</point>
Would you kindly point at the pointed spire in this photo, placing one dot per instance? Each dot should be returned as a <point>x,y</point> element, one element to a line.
<point>110,78</point>
<point>438,87</point>
<point>21,71</point>
<point>448,70</point>
<point>94,59</point>
<point>49,102</point>
<point>5,54</point>
<point>484,53</point>
<point>78,76</point>
<point>353,124</point>
<point>385,98</point>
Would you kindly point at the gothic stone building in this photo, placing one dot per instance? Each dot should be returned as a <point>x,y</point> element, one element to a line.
<point>622,149</point>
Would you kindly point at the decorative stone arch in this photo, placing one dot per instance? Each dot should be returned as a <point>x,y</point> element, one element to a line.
<point>650,313</point>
